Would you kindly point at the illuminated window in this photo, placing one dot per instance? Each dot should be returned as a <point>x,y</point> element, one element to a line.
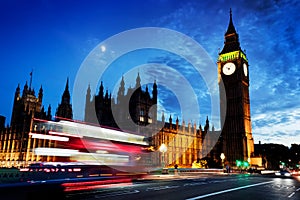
<point>141,118</point>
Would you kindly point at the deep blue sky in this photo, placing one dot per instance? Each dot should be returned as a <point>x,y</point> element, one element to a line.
<point>54,37</point>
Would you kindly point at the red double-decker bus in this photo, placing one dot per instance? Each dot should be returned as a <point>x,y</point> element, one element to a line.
<point>79,144</point>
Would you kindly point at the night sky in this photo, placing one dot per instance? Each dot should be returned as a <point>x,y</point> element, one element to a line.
<point>54,39</point>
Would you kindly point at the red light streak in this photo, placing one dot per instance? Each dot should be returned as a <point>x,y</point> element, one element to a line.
<point>41,120</point>
<point>89,185</point>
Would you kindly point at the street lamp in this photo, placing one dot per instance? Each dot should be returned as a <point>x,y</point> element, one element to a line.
<point>163,149</point>
<point>222,156</point>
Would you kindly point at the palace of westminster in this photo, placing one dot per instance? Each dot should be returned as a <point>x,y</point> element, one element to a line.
<point>185,142</point>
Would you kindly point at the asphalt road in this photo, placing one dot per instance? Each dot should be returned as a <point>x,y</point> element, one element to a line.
<point>199,187</point>
<point>183,187</point>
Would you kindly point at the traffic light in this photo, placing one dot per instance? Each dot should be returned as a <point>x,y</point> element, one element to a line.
<point>245,164</point>
<point>238,163</point>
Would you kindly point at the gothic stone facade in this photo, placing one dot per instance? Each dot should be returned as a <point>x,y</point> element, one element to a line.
<point>137,106</point>
<point>16,144</point>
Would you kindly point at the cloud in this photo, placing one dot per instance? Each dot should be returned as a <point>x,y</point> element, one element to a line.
<point>189,73</point>
<point>277,126</point>
<point>270,33</point>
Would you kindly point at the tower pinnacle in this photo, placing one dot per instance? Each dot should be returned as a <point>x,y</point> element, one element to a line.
<point>231,28</point>
<point>231,38</point>
<point>64,109</point>
<point>138,81</point>
<point>30,79</point>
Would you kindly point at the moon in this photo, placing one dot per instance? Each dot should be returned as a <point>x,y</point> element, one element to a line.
<point>103,48</point>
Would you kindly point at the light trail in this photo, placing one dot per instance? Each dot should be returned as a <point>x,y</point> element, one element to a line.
<point>49,137</point>
<point>44,151</point>
<point>64,134</point>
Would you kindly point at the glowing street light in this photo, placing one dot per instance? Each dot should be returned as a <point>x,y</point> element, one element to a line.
<point>163,149</point>
<point>222,156</point>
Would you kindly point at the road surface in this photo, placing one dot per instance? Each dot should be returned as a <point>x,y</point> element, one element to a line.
<point>181,187</point>
<point>199,187</point>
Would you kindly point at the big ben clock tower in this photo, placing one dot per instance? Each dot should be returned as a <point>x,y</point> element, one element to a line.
<point>237,141</point>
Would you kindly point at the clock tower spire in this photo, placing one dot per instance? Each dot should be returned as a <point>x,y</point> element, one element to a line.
<point>237,141</point>
<point>231,42</point>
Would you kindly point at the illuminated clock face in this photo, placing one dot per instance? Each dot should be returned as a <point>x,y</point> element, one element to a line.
<point>245,69</point>
<point>229,68</point>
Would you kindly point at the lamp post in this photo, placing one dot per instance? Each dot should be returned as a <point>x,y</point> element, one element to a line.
<point>222,156</point>
<point>163,149</point>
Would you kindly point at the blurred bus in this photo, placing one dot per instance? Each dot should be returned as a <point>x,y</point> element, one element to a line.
<point>92,149</point>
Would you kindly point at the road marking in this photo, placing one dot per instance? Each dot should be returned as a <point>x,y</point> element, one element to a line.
<point>291,195</point>
<point>229,190</point>
<point>112,194</point>
<point>193,184</point>
<point>162,187</point>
